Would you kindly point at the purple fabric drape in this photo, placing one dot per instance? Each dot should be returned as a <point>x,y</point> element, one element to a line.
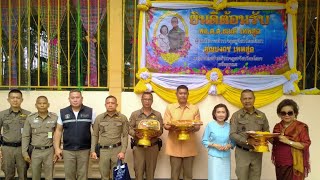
<point>13,13</point>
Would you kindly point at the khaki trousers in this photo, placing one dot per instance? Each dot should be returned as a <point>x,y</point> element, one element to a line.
<point>248,164</point>
<point>76,164</point>
<point>108,160</point>
<point>186,163</point>
<point>12,159</point>
<point>42,160</point>
<point>145,161</point>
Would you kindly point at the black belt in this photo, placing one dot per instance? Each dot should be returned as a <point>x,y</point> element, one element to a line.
<point>111,146</point>
<point>11,144</point>
<point>152,144</point>
<point>244,148</point>
<point>42,147</point>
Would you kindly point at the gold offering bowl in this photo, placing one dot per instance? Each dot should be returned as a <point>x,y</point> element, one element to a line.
<point>183,134</point>
<point>147,135</point>
<point>183,125</point>
<point>148,128</point>
<point>263,139</point>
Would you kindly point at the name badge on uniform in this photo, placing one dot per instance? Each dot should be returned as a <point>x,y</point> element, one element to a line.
<point>50,135</point>
<point>36,120</point>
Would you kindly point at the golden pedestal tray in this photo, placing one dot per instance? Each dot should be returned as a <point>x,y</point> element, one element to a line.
<point>183,125</point>
<point>148,128</point>
<point>263,139</point>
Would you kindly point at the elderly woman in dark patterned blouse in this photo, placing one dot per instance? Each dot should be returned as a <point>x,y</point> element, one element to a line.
<point>290,152</point>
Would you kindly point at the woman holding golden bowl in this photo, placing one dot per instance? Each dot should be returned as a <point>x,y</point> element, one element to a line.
<point>290,152</point>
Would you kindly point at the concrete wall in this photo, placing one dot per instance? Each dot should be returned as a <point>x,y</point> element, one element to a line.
<point>131,102</point>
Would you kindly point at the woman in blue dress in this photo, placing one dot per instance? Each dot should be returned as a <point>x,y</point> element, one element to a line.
<point>216,139</point>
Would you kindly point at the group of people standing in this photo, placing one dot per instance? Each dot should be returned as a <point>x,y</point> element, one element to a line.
<point>290,151</point>
<point>35,138</point>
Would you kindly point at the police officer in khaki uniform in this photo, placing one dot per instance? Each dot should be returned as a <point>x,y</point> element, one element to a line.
<point>248,163</point>
<point>110,129</point>
<point>145,158</point>
<point>12,121</point>
<point>176,36</point>
<point>38,130</point>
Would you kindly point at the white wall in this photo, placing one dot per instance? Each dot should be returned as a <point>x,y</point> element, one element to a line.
<point>131,102</point>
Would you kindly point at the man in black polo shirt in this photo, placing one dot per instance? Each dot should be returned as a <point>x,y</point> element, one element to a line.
<point>74,122</point>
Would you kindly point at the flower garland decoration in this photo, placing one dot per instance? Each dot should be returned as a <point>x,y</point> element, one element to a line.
<point>312,91</point>
<point>170,57</point>
<point>291,86</point>
<point>144,77</point>
<point>144,5</point>
<point>219,4</point>
<point>292,7</point>
<point>276,68</point>
<point>215,77</point>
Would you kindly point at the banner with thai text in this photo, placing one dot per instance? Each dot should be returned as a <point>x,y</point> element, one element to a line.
<point>237,41</point>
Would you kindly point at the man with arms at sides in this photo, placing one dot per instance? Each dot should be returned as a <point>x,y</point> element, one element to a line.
<point>38,129</point>
<point>248,163</point>
<point>181,153</point>
<point>74,123</point>
<point>145,157</point>
<point>110,129</point>
<point>176,36</point>
<point>12,121</point>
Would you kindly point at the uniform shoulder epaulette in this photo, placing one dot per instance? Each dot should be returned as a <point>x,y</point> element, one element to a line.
<point>32,114</point>
<point>52,113</point>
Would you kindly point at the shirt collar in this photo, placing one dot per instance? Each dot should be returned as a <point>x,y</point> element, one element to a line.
<point>141,111</point>
<point>243,112</point>
<point>216,122</point>
<point>11,110</point>
<point>177,105</point>
<point>48,115</point>
<point>107,114</point>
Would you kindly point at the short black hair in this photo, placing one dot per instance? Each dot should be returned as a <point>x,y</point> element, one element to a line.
<point>109,97</point>
<point>42,97</point>
<point>247,91</point>
<point>75,90</point>
<point>146,93</point>
<point>174,17</point>
<point>165,27</point>
<point>182,87</point>
<point>219,106</point>
<point>15,91</point>
<point>288,102</point>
